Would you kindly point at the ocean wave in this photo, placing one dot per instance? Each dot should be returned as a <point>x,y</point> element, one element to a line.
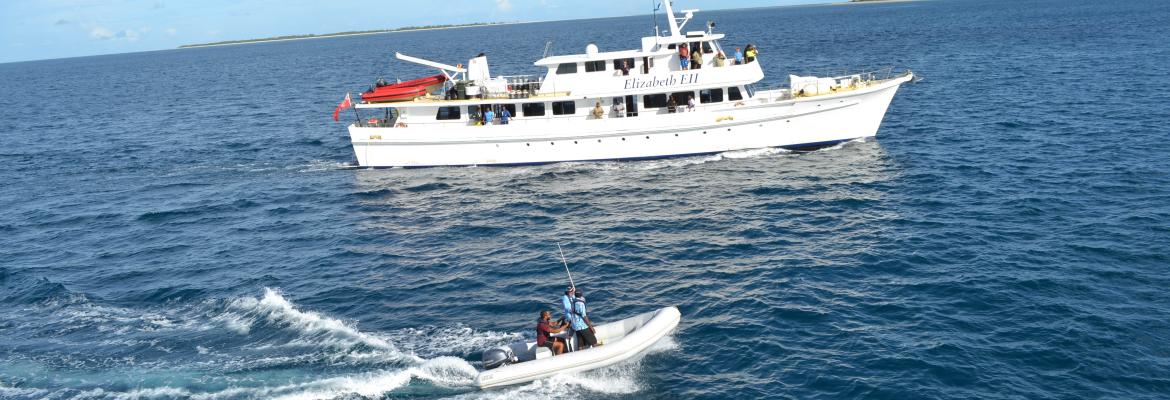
<point>272,310</point>
<point>21,289</point>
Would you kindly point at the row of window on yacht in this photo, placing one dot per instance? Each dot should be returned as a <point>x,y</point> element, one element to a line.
<point>670,101</point>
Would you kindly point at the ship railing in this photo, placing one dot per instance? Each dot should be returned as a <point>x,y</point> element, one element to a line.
<point>867,74</point>
<point>845,77</point>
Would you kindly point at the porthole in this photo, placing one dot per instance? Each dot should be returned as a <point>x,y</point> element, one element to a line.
<point>552,144</point>
<point>598,140</point>
<point>528,144</point>
<point>574,142</point>
<point>704,132</point>
<point>729,129</point>
<point>647,137</point>
<point>623,139</point>
<point>676,135</point>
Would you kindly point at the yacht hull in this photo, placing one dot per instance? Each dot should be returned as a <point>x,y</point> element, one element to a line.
<point>765,120</point>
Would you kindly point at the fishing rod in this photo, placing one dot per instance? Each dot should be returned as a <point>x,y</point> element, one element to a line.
<point>563,261</point>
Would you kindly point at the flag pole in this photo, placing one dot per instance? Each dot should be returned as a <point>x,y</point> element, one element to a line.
<point>357,118</point>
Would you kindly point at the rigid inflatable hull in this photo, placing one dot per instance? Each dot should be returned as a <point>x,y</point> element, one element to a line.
<point>622,340</point>
<point>395,94</point>
<point>403,90</point>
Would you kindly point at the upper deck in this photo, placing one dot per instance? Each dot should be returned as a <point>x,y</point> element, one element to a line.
<point>655,67</point>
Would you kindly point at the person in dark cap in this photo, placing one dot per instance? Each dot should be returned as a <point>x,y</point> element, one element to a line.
<point>586,334</point>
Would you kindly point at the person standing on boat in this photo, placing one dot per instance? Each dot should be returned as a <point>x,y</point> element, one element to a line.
<point>505,116</point>
<point>684,56</point>
<point>625,68</point>
<point>720,59</point>
<point>586,334</point>
<point>598,112</point>
<point>751,53</point>
<point>567,319</point>
<point>619,109</point>
<point>671,106</point>
<point>488,116</point>
<point>690,103</point>
<point>738,56</point>
<point>697,59</point>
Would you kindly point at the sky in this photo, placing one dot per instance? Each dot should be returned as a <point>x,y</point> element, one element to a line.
<point>43,29</point>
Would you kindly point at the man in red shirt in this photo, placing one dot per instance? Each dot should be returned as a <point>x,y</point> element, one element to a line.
<point>544,332</point>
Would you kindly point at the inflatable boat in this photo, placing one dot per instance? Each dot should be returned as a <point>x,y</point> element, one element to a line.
<point>403,90</point>
<point>521,362</point>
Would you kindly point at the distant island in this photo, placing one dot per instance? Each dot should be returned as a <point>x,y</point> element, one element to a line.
<point>348,33</point>
<point>402,29</point>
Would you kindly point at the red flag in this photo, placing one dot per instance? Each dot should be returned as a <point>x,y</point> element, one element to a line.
<point>344,105</point>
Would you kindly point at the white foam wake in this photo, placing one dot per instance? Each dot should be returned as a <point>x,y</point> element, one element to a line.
<point>356,363</point>
<point>449,372</point>
<point>314,330</point>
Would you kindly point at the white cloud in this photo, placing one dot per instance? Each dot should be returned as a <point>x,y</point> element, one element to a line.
<point>103,33</point>
<point>504,5</point>
<point>100,33</point>
<point>127,35</point>
<point>172,31</point>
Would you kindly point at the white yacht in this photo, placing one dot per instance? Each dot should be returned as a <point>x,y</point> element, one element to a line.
<point>620,105</point>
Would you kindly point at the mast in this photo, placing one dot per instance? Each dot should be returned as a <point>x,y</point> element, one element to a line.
<point>670,18</point>
<point>677,24</point>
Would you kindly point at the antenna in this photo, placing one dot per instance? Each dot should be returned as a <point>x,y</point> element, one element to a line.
<point>547,47</point>
<point>654,17</point>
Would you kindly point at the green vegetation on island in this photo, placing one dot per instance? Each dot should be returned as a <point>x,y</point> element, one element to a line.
<point>348,33</point>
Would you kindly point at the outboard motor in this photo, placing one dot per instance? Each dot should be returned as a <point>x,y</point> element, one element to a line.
<point>498,357</point>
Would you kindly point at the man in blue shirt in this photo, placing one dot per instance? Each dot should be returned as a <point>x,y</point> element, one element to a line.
<point>505,116</point>
<point>567,308</point>
<point>488,116</point>
<point>586,337</point>
<point>738,56</point>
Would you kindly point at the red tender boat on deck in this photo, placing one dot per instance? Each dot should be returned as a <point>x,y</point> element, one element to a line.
<point>403,90</point>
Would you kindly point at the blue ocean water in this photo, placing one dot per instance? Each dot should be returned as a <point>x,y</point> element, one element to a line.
<point>188,223</point>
